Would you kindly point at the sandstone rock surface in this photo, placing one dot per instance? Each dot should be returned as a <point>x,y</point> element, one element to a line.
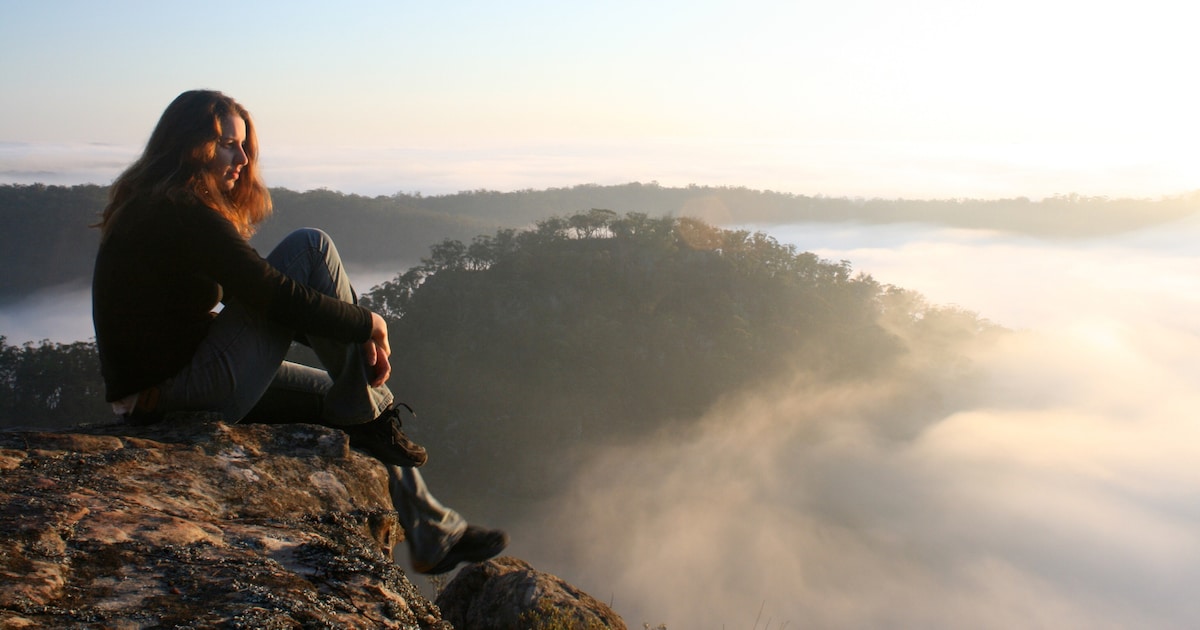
<point>506,593</point>
<point>199,525</point>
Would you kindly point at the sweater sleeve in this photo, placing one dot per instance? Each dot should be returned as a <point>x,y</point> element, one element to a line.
<point>219,251</point>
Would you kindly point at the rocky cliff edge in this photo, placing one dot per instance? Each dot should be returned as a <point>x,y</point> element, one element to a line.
<point>201,524</point>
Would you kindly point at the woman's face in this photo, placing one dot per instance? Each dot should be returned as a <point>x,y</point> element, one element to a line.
<point>231,153</point>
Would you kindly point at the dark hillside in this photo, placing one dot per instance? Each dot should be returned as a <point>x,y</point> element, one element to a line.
<point>44,236</point>
<point>45,241</point>
<point>597,329</point>
<point>1061,216</point>
<point>371,231</point>
<point>520,349</point>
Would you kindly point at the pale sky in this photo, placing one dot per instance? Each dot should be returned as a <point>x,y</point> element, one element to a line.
<point>892,98</point>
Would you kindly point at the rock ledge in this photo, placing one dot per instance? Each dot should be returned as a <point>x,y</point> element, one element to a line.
<point>201,525</point>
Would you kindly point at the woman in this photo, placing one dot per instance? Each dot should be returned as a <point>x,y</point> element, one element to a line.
<point>174,250</point>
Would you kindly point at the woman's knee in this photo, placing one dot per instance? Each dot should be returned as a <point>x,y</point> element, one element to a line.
<point>309,257</point>
<point>310,237</point>
<point>304,243</point>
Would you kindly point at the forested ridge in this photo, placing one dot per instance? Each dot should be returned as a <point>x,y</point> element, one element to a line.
<point>582,330</point>
<point>45,239</point>
<point>44,235</point>
<point>520,339</point>
<point>600,328</point>
<point>1068,215</point>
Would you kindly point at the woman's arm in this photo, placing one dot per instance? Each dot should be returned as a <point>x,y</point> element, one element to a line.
<point>219,251</point>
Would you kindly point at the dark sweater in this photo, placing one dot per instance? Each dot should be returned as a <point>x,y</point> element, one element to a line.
<point>160,271</point>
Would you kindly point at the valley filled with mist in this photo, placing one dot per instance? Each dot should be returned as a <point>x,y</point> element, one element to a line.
<point>1048,483</point>
<point>731,408</point>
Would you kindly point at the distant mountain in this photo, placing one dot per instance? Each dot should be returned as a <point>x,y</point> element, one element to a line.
<point>1061,216</point>
<point>45,240</point>
<point>44,236</point>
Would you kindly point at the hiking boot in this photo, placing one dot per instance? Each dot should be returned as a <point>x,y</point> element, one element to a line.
<point>384,440</point>
<point>476,545</point>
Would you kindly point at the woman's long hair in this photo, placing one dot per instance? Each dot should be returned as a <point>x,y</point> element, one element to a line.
<point>174,166</point>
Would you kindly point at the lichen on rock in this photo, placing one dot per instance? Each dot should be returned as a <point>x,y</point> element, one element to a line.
<point>199,525</point>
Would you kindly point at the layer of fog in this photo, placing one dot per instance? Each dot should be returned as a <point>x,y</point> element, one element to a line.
<point>1054,487</point>
<point>1051,484</point>
<point>60,314</point>
<point>837,169</point>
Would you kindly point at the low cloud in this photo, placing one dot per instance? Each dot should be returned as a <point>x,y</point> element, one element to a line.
<point>836,169</point>
<point>61,314</point>
<point>63,164</point>
<point>1051,483</point>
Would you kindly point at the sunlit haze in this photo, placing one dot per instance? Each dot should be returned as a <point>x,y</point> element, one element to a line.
<point>1051,483</point>
<point>1054,486</point>
<point>928,99</point>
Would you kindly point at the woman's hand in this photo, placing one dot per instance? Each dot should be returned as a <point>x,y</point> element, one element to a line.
<point>376,351</point>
